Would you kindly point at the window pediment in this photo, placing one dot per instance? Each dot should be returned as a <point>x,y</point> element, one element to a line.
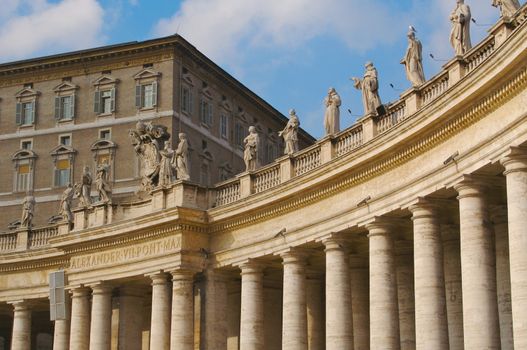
<point>188,79</point>
<point>147,73</point>
<point>226,106</point>
<point>65,86</point>
<point>27,92</point>
<point>24,154</point>
<point>206,92</point>
<point>206,156</point>
<point>62,150</point>
<point>105,80</point>
<point>102,145</point>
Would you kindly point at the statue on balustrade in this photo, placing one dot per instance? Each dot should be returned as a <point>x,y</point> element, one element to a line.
<point>413,60</point>
<point>181,159</point>
<point>165,168</point>
<point>507,7</point>
<point>83,189</point>
<point>369,85</point>
<point>28,208</point>
<point>101,183</point>
<point>290,133</point>
<point>460,33</point>
<point>332,114</point>
<point>147,140</point>
<point>66,201</point>
<point>250,155</point>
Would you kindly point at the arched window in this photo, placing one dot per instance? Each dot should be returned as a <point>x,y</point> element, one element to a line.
<point>63,157</point>
<point>24,164</point>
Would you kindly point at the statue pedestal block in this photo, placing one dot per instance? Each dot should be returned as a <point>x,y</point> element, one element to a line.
<point>80,218</point>
<point>159,198</point>
<point>369,127</point>
<point>22,239</point>
<point>286,168</point>
<point>246,184</point>
<point>327,151</point>
<point>64,228</point>
<point>102,214</point>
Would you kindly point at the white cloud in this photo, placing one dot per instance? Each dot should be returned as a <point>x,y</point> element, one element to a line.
<point>223,29</point>
<point>42,27</point>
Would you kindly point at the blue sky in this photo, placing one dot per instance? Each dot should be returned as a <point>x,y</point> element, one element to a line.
<point>287,51</point>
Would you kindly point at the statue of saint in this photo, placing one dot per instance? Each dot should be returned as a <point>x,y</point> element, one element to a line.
<point>250,155</point>
<point>181,161</point>
<point>290,133</point>
<point>66,203</point>
<point>83,190</point>
<point>507,7</point>
<point>460,33</point>
<point>332,114</point>
<point>165,168</point>
<point>369,85</point>
<point>28,207</point>
<point>101,183</point>
<point>413,60</point>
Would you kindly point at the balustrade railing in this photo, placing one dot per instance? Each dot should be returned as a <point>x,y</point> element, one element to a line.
<point>395,114</point>
<point>267,178</point>
<point>307,161</point>
<point>40,236</point>
<point>435,88</point>
<point>480,55</point>
<point>8,241</point>
<point>349,140</point>
<point>228,193</point>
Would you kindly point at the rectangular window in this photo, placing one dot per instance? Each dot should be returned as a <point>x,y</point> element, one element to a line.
<point>26,145</point>
<point>27,113</point>
<point>105,134</point>
<point>205,112</point>
<point>104,101</point>
<point>62,172</point>
<point>239,134</point>
<point>224,126</point>
<point>65,140</point>
<point>22,178</point>
<point>64,107</point>
<point>146,95</point>
<point>186,100</point>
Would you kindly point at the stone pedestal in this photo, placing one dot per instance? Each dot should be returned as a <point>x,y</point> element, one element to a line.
<point>339,319</point>
<point>182,328</point>
<point>130,318</point>
<point>102,214</point>
<point>80,218</point>
<point>516,174</point>
<point>478,268</point>
<point>294,311</point>
<point>80,319</point>
<point>22,239</point>
<point>252,313</point>
<point>430,305</point>
<point>158,199</point>
<point>101,317</point>
<point>21,336</point>
<point>160,320</point>
<point>384,319</point>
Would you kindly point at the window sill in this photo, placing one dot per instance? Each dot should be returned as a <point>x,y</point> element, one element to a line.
<point>65,121</point>
<point>106,116</point>
<point>26,127</point>
<point>205,125</point>
<point>147,109</point>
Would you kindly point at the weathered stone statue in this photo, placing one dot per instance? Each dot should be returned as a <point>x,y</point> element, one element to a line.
<point>290,133</point>
<point>369,85</point>
<point>507,7</point>
<point>165,168</point>
<point>28,208</point>
<point>83,189</point>
<point>101,183</point>
<point>147,139</point>
<point>413,60</point>
<point>181,162</point>
<point>460,33</point>
<point>332,114</point>
<point>250,155</point>
<point>66,203</point>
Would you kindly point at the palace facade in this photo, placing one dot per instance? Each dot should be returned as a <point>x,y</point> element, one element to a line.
<point>405,231</point>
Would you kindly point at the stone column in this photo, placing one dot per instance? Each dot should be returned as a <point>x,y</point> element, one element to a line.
<point>404,270</point>
<point>182,328</point>
<point>21,337</point>
<point>80,319</point>
<point>215,324</point>
<point>430,305</point>
<point>454,295</point>
<point>61,333</point>
<point>516,174</point>
<point>252,313</point>
<point>478,268</point>
<point>339,319</point>
<point>160,320</point>
<point>384,318</point>
<point>294,310</point>
<point>360,303</point>
<point>101,317</point>
<point>315,311</point>
<point>131,301</point>
<point>503,279</point>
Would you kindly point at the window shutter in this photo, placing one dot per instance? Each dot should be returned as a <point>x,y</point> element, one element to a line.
<point>138,99</point>
<point>97,102</point>
<point>33,112</point>
<point>72,106</point>
<point>209,113</point>
<point>57,296</point>
<point>57,107</point>
<point>154,93</point>
<point>191,102</point>
<point>112,101</point>
<point>18,113</point>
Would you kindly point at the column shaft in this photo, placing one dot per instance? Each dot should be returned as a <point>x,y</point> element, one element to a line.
<point>80,319</point>
<point>516,174</point>
<point>315,313</point>
<point>384,318</point>
<point>61,335</point>
<point>252,313</point>
<point>101,318</point>
<point>160,320</point>
<point>21,338</point>
<point>215,323</point>
<point>404,267</point>
<point>130,318</point>
<point>360,305</point>
<point>431,327</point>
<point>339,319</point>
<point>478,269</point>
<point>182,328</point>
<point>294,311</point>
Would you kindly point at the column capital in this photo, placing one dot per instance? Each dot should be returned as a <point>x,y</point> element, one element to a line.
<point>515,160</point>
<point>182,275</point>
<point>335,242</point>
<point>424,208</point>
<point>251,267</point>
<point>294,256</point>
<point>20,305</point>
<point>79,291</point>
<point>158,277</point>
<point>471,186</point>
<point>380,226</point>
<point>101,288</point>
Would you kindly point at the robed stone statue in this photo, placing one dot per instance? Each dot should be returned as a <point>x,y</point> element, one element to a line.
<point>507,7</point>
<point>250,154</point>
<point>369,85</point>
<point>165,168</point>
<point>413,60</point>
<point>460,33</point>
<point>28,209</point>
<point>290,133</point>
<point>332,114</point>
<point>66,201</point>
<point>181,158</point>
<point>101,183</point>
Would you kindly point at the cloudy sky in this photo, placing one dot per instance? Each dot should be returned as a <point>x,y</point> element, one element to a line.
<point>287,51</point>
